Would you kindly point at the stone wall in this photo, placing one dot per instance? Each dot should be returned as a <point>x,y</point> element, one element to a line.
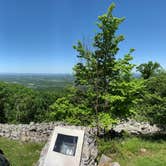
<point>28,132</point>
<point>39,132</point>
<point>134,127</point>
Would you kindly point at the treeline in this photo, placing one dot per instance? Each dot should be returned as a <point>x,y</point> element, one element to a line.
<point>19,104</point>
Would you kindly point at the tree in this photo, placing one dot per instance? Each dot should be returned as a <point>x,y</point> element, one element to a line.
<point>98,75</point>
<point>97,68</point>
<point>148,70</point>
<point>104,80</point>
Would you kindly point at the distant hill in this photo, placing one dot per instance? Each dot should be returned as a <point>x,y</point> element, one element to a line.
<point>39,81</point>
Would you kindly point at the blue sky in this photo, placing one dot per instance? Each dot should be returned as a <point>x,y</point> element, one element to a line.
<point>36,36</point>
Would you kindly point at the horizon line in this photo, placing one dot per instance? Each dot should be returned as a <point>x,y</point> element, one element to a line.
<point>33,73</point>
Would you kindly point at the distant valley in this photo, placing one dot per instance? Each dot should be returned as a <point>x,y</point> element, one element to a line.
<point>39,81</point>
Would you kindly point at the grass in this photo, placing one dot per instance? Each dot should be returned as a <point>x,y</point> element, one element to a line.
<point>133,151</point>
<point>20,154</point>
<point>126,151</point>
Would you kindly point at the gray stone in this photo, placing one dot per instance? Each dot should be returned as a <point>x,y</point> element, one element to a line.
<point>134,127</point>
<point>143,150</point>
<point>115,164</point>
<point>105,160</point>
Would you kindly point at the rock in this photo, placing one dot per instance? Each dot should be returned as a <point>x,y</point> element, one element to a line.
<point>143,150</point>
<point>31,123</point>
<point>115,164</point>
<point>105,161</point>
<point>134,127</point>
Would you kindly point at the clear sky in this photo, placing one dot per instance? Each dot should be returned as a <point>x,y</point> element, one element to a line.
<point>36,36</point>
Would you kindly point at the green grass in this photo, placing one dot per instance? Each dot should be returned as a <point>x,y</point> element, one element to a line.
<point>20,154</point>
<point>128,151</point>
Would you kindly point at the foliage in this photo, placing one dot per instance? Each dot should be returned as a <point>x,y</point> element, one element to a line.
<point>69,112</point>
<point>96,68</point>
<point>108,84</point>
<point>19,104</point>
<point>154,100</point>
<point>125,90</point>
<point>149,69</point>
<point>104,86</point>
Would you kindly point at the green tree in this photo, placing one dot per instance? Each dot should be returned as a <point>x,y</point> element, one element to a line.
<point>98,75</point>
<point>149,69</point>
<point>97,68</point>
<point>125,90</point>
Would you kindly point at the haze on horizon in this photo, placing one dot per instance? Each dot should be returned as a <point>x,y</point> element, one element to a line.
<point>36,36</point>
